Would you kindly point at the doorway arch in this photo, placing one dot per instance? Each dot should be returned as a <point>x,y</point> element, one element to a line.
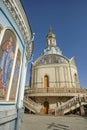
<point>46,107</point>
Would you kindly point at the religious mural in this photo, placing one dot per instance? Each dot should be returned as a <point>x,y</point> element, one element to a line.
<point>7,52</point>
<point>51,59</point>
<point>15,77</point>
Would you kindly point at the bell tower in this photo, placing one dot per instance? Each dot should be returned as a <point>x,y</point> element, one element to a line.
<point>51,45</point>
<point>51,38</point>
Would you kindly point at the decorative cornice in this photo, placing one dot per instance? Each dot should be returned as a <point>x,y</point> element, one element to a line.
<point>17,12</point>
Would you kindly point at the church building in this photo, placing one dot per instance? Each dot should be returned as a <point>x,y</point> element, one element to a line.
<point>53,81</point>
<point>52,69</point>
<point>16,47</point>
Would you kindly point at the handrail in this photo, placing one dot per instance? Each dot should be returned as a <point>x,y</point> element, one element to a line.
<point>30,101</point>
<point>35,107</point>
<point>72,102</point>
<point>55,90</point>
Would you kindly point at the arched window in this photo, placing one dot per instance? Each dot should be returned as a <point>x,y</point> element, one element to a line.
<point>76,78</point>
<point>9,61</point>
<point>46,81</point>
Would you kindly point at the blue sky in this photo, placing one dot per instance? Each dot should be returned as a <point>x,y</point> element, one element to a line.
<point>68,19</point>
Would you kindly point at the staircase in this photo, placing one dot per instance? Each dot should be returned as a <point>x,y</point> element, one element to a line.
<point>71,105</point>
<point>31,105</point>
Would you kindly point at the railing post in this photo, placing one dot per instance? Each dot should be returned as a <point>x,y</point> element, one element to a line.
<point>82,111</point>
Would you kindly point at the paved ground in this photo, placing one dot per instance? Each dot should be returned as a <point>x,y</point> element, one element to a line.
<point>36,122</point>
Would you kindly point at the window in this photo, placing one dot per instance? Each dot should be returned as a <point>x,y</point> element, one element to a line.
<point>46,81</point>
<point>10,62</point>
<point>75,78</point>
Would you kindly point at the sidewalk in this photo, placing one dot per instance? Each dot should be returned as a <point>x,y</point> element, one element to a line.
<point>37,122</point>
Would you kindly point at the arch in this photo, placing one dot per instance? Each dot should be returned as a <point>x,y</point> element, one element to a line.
<point>8,47</point>
<point>46,81</point>
<point>51,59</point>
<point>46,107</point>
<point>75,78</point>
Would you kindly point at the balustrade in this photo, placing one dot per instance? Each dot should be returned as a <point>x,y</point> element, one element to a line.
<point>72,103</point>
<point>55,90</point>
<point>35,107</point>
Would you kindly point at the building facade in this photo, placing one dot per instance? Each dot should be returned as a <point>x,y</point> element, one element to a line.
<point>53,69</point>
<point>16,45</point>
<point>53,82</point>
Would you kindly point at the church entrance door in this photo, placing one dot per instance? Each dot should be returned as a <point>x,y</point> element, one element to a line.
<point>46,107</point>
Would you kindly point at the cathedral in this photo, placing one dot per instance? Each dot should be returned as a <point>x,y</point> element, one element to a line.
<point>54,83</point>
<point>52,69</point>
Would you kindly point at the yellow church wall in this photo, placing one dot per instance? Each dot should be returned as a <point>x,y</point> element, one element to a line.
<point>60,75</point>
